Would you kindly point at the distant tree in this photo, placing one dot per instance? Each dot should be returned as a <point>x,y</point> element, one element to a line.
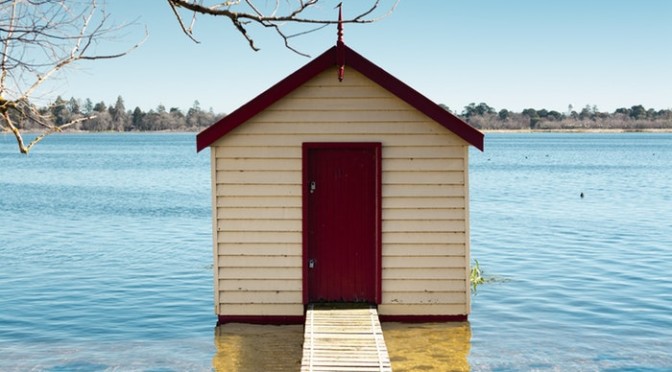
<point>100,107</point>
<point>554,115</point>
<point>175,111</point>
<point>445,107</point>
<point>101,122</point>
<point>664,115</point>
<point>586,113</point>
<point>162,120</point>
<point>138,119</point>
<point>638,112</point>
<point>60,112</point>
<point>193,114</point>
<point>651,114</point>
<point>178,118</point>
<point>477,110</point>
<point>622,110</point>
<point>504,114</point>
<point>197,118</point>
<point>38,39</point>
<point>120,119</point>
<point>74,106</point>
<point>533,117</point>
<point>88,106</point>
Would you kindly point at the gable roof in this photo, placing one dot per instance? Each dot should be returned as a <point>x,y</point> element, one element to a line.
<point>329,59</point>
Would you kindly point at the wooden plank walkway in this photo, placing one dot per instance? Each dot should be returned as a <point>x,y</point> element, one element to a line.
<point>343,340</point>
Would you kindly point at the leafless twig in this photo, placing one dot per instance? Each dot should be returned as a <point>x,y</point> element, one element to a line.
<point>40,38</point>
<point>243,14</point>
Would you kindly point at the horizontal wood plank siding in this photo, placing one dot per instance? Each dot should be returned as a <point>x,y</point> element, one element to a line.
<point>423,273</point>
<point>409,285</point>
<point>409,262</point>
<point>419,250</point>
<point>424,225</point>
<point>260,285</point>
<point>427,297</point>
<point>261,309</point>
<point>259,261</point>
<point>258,204</point>
<point>422,309</point>
<point>259,273</point>
<point>272,250</point>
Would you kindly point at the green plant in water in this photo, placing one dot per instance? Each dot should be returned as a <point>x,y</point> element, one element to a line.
<point>476,276</point>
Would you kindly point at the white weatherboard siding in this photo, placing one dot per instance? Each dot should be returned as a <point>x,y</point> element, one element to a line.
<point>258,176</point>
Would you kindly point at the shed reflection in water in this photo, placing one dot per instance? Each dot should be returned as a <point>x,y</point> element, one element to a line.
<point>412,347</point>
<point>246,347</point>
<point>428,346</point>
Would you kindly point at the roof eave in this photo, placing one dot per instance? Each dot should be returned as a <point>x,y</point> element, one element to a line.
<point>416,99</point>
<point>326,60</point>
<point>220,128</point>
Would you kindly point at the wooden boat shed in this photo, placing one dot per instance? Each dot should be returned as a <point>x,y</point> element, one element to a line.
<point>340,184</point>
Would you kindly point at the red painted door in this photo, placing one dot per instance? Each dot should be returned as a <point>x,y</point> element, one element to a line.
<point>342,222</point>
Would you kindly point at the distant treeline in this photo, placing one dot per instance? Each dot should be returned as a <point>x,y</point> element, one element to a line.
<point>634,118</point>
<point>117,118</point>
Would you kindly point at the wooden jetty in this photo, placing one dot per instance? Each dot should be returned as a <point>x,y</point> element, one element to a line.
<point>343,339</point>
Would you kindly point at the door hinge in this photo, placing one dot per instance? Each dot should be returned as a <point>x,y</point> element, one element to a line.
<point>312,186</point>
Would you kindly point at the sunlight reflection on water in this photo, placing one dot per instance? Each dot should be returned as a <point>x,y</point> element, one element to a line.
<point>106,254</point>
<point>412,347</point>
<point>428,347</point>
<point>252,348</point>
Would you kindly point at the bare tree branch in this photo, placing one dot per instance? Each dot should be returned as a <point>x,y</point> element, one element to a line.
<point>187,31</point>
<point>39,39</point>
<point>249,12</point>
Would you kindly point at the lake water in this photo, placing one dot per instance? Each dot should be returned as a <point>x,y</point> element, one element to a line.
<point>105,260</point>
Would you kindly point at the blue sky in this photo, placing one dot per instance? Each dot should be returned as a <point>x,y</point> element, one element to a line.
<point>511,54</point>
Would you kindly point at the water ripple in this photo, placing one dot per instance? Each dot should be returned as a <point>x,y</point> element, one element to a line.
<point>105,248</point>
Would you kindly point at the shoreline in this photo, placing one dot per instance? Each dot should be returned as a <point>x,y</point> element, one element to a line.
<point>579,130</point>
<point>486,131</point>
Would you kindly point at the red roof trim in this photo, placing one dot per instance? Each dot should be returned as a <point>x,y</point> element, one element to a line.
<point>423,104</point>
<point>228,123</point>
<point>328,59</point>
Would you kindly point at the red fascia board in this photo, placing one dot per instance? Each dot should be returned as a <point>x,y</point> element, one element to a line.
<point>228,123</point>
<point>354,60</point>
<point>414,98</point>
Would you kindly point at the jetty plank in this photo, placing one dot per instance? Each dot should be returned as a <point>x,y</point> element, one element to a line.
<point>344,340</point>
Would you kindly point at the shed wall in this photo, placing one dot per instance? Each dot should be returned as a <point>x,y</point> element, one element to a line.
<point>257,180</point>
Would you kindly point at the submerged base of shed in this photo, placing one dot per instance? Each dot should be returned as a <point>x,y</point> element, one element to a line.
<point>261,319</point>
<point>424,318</point>
<point>300,319</point>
